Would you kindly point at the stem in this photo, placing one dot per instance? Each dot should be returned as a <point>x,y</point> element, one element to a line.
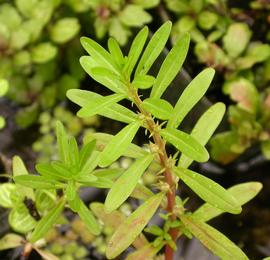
<point>152,126</point>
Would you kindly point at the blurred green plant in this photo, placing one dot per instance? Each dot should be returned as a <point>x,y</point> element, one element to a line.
<point>4,86</point>
<point>39,45</point>
<point>223,39</point>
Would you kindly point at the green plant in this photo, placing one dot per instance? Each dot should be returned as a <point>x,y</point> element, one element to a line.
<point>76,168</point>
<point>3,90</point>
<point>223,39</point>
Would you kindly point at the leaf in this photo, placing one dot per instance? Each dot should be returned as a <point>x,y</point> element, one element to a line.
<point>35,182</point>
<point>134,16</point>
<point>111,173</point>
<point>159,108</point>
<point>141,192</point>
<point>115,111</point>
<point>18,166</point>
<point>6,190</point>
<point>62,169</point>
<point>102,75</point>
<point>101,182</point>
<point>20,220</point>
<point>90,164</point>
<point>62,141</point>
<point>97,106</point>
<point>243,193</point>
<point>43,52</point>
<point>209,190</point>
<point>71,191</point>
<point>133,150</point>
<point>46,255</point>
<point>88,218</point>
<point>190,97</point>
<point>45,224</point>
<point>73,152</point>
<point>219,244</point>
<point>154,48</point>
<point>86,152</point>
<point>144,253</point>
<point>118,144</point>
<point>115,51</point>
<point>99,54</point>
<point>204,129</point>
<point>185,144</point>
<point>170,66</point>
<point>10,240</point>
<point>132,226</point>
<point>126,183</point>
<point>135,50</point>
<point>143,81</point>
<point>48,171</point>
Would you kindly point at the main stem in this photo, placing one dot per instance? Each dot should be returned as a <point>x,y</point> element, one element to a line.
<point>152,126</point>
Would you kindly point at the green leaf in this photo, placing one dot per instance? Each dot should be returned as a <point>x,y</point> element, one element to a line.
<point>86,152</point>
<point>126,183</point>
<point>73,152</point>
<point>243,193</point>
<point>134,16</point>
<point>236,39</point>
<point>5,192</point>
<point>88,218</point>
<point>51,171</point>
<point>62,141</point>
<point>154,48</point>
<point>219,244</point>
<point>46,223</point>
<point>146,252</point>
<point>209,190</point>
<point>133,150</point>
<point>185,144</point>
<point>119,143</point>
<point>111,173</point>
<point>18,167</point>
<point>171,66</point>
<point>159,108</point>
<point>4,86</point>
<point>10,240</point>
<point>141,192</point>
<point>91,163</point>
<point>43,52</point>
<point>99,54</point>
<point>115,51</point>
<point>46,255</point>
<point>71,190</point>
<point>115,111</point>
<point>97,106</point>
<point>132,226</point>
<point>20,220</point>
<point>204,129</point>
<point>136,50</point>
<point>190,97</point>
<point>143,81</point>
<point>100,182</point>
<point>35,182</point>
<point>64,29</point>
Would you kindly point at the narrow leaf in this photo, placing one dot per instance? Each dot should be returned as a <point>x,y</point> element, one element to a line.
<point>136,50</point>
<point>86,152</point>
<point>73,152</point>
<point>18,167</point>
<point>46,255</point>
<point>102,75</point>
<point>48,171</point>
<point>91,163</point>
<point>243,193</point>
<point>143,81</point>
<point>154,48</point>
<point>45,224</point>
<point>99,53</point>
<point>171,66</point>
<point>144,253</point>
<point>204,129</point>
<point>111,173</point>
<point>209,190</point>
<point>219,244</point>
<point>35,182</point>
<point>141,192</point>
<point>159,108</point>
<point>62,141</point>
<point>119,143</point>
<point>115,111</point>
<point>185,144</point>
<point>98,105</point>
<point>191,95</point>
<point>116,52</point>
<point>100,182</point>
<point>88,218</point>
<point>127,182</point>
<point>132,226</point>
